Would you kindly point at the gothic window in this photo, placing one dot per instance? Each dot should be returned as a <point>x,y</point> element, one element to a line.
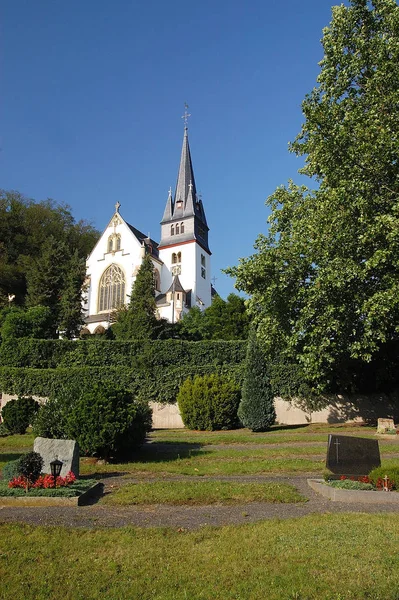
<point>111,291</point>
<point>172,230</point>
<point>182,228</point>
<point>114,242</point>
<point>179,257</point>
<point>177,228</point>
<point>157,280</point>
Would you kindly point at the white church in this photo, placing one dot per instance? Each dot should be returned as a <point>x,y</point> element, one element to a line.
<point>182,259</point>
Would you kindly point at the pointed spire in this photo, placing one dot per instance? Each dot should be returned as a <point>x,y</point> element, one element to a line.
<point>167,215</point>
<point>186,174</point>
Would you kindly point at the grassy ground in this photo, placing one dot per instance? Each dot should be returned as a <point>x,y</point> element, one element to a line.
<point>202,492</point>
<point>181,452</point>
<point>327,557</point>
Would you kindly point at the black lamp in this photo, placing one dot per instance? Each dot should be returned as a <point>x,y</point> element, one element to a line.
<point>55,467</point>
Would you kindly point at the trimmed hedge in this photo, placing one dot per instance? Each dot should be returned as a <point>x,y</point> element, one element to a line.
<point>151,382</point>
<point>50,354</point>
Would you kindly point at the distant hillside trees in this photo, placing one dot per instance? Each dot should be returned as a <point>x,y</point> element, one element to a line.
<point>42,253</point>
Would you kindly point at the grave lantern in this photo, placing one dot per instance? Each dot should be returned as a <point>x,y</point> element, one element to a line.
<point>55,467</point>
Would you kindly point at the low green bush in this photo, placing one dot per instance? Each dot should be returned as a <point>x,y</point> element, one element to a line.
<point>4,431</point>
<point>108,422</point>
<point>11,469</point>
<point>19,414</point>
<point>349,484</point>
<point>209,403</point>
<point>380,472</point>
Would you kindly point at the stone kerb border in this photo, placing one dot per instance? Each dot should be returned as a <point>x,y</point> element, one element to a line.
<point>22,501</point>
<point>353,496</point>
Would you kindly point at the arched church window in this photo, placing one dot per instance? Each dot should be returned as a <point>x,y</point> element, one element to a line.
<point>110,243</point>
<point>118,242</point>
<point>111,291</point>
<point>172,230</point>
<point>182,228</point>
<point>179,257</point>
<point>177,228</point>
<point>174,258</point>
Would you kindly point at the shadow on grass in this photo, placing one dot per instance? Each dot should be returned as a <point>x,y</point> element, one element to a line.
<point>165,452</point>
<point>7,456</point>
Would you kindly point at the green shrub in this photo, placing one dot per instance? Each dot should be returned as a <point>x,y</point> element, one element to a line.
<point>209,402</point>
<point>51,420</point>
<point>108,422</point>
<point>19,414</point>
<point>380,472</point>
<point>30,466</point>
<point>256,410</point>
<point>349,484</point>
<point>11,469</point>
<point>4,431</point>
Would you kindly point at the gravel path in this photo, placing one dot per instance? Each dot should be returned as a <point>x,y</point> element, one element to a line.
<point>187,517</point>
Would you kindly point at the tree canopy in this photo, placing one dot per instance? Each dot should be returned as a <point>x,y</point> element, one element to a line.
<point>324,281</point>
<point>222,320</point>
<point>42,253</point>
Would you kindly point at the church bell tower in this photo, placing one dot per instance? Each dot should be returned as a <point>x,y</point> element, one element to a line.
<point>184,247</point>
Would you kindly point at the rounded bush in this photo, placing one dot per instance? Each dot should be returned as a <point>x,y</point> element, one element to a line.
<point>30,466</point>
<point>19,414</point>
<point>11,469</point>
<point>209,402</point>
<point>108,422</point>
<point>51,419</point>
<point>380,472</point>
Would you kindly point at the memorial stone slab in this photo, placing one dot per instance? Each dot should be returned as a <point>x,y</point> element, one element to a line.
<point>385,425</point>
<point>65,450</point>
<point>347,455</point>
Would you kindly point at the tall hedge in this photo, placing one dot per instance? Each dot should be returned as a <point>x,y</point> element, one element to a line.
<point>154,370</point>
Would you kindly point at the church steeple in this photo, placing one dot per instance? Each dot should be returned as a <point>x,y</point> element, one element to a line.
<point>186,208</point>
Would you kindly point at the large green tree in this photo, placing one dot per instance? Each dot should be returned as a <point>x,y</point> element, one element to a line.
<point>25,228</point>
<point>222,320</point>
<point>138,320</point>
<point>324,281</point>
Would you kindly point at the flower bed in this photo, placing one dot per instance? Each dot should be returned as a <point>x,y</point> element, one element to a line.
<point>17,489</point>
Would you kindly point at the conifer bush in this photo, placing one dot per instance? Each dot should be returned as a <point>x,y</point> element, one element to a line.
<point>108,422</point>
<point>19,414</point>
<point>256,410</point>
<point>209,402</point>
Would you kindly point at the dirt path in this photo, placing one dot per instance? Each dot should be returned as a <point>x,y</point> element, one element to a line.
<point>187,517</point>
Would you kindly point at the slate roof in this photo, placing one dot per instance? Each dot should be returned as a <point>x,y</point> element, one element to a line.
<point>144,239</point>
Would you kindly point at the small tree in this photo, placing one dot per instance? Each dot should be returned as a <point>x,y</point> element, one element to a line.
<point>256,409</point>
<point>70,317</point>
<point>19,414</point>
<point>138,320</point>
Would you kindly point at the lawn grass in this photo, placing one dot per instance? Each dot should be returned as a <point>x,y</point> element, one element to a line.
<point>328,557</point>
<point>202,492</point>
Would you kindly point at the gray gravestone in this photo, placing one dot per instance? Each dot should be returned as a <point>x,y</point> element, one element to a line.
<point>65,450</point>
<point>348,455</point>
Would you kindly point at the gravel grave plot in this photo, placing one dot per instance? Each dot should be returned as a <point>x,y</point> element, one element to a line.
<point>187,517</point>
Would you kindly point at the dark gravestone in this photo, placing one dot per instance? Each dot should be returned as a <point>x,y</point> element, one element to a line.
<point>352,455</point>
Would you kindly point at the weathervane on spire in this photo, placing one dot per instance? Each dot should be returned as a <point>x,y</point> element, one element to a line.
<point>186,115</point>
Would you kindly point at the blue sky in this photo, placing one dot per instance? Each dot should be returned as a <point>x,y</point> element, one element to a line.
<point>93,93</point>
